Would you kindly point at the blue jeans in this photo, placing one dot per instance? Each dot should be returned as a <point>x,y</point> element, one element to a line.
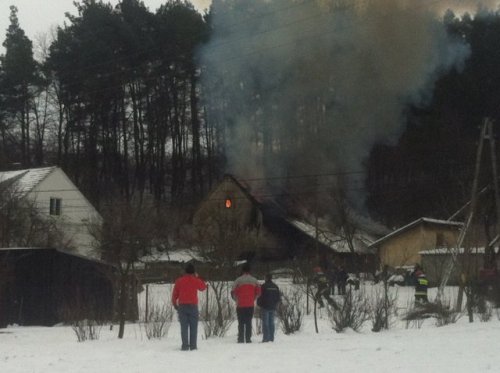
<point>267,325</point>
<point>188,317</point>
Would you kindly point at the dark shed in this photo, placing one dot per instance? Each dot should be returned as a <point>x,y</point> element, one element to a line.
<point>41,286</point>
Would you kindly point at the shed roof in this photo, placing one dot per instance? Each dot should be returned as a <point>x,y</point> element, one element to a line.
<point>422,220</point>
<point>91,258</point>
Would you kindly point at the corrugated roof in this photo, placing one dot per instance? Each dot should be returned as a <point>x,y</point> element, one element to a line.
<point>23,181</point>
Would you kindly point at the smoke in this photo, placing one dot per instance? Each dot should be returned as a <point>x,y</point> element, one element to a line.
<point>307,87</point>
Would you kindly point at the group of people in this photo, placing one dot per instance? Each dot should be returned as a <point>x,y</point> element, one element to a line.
<point>245,291</point>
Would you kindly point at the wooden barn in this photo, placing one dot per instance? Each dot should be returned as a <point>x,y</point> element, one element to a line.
<point>280,236</point>
<point>40,286</point>
<point>402,247</point>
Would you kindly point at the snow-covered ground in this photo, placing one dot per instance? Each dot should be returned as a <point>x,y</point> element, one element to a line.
<point>460,347</point>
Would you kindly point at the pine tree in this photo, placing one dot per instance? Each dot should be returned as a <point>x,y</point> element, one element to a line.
<point>19,76</point>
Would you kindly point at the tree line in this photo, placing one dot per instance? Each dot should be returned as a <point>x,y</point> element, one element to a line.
<point>115,102</point>
<point>115,99</point>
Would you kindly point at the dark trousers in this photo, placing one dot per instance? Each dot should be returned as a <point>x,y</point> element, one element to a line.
<point>188,317</point>
<point>341,288</point>
<point>245,315</point>
<point>267,325</point>
<point>323,292</point>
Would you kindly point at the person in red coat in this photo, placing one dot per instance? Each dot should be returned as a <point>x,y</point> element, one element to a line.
<point>245,290</point>
<point>185,301</point>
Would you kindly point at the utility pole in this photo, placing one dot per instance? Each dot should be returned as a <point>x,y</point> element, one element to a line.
<point>450,265</point>
<point>490,255</point>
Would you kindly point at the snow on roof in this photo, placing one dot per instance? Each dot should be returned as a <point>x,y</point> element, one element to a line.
<point>181,256</point>
<point>25,180</point>
<point>335,241</point>
<point>450,250</point>
<point>456,224</point>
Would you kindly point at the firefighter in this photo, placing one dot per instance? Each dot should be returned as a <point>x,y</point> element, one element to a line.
<point>323,291</point>
<point>421,285</point>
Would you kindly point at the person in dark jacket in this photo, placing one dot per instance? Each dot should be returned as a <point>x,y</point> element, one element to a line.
<point>245,290</point>
<point>342,277</point>
<point>421,285</point>
<point>321,281</point>
<point>185,301</point>
<point>269,299</point>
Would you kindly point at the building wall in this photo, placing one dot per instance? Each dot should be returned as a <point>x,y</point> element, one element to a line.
<point>403,249</point>
<point>76,211</point>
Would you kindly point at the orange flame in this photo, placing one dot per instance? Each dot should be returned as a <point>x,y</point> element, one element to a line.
<point>229,203</point>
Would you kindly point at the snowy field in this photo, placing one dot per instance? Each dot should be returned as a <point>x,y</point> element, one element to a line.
<point>460,347</point>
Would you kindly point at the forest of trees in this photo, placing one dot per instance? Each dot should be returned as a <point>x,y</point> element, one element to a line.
<point>115,98</point>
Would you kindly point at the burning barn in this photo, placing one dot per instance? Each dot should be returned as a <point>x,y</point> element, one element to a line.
<point>264,228</point>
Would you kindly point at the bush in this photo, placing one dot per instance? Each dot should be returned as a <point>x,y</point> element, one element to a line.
<point>86,329</point>
<point>382,309</point>
<point>218,315</point>
<point>352,313</point>
<point>157,321</point>
<point>291,311</point>
<point>442,312</point>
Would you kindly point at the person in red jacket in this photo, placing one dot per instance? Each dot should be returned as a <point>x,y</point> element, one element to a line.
<point>185,301</point>
<point>245,290</point>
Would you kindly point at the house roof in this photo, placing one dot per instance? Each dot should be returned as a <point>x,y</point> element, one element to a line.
<point>407,227</point>
<point>181,256</point>
<point>337,243</point>
<point>25,180</point>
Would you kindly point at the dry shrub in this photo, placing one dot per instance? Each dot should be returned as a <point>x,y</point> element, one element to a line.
<point>442,312</point>
<point>291,311</point>
<point>157,321</point>
<point>86,329</point>
<point>484,310</point>
<point>382,309</point>
<point>218,314</point>
<point>77,316</point>
<point>352,312</point>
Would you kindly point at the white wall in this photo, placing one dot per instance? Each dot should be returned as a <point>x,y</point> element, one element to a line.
<point>76,210</point>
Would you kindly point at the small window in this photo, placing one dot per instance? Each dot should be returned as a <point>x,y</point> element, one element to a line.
<point>55,206</point>
<point>228,203</point>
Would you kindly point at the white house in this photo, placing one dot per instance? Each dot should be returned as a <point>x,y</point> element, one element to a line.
<point>55,197</point>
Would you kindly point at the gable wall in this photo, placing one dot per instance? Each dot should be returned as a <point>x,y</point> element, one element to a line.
<point>243,211</point>
<point>403,249</point>
<point>76,211</point>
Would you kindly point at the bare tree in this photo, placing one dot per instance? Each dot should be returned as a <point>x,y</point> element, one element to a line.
<point>129,230</point>
<point>22,224</point>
